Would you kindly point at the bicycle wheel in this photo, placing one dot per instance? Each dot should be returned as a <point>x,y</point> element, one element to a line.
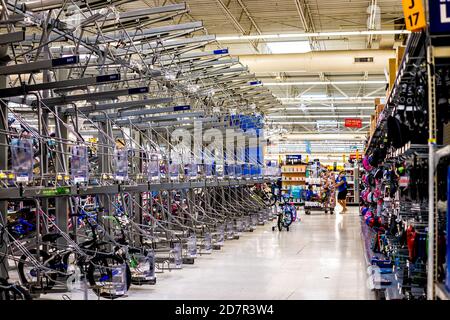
<point>28,273</point>
<point>9,292</point>
<point>280,223</point>
<point>287,218</point>
<point>100,276</point>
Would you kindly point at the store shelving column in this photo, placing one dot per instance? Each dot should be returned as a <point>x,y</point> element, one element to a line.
<point>3,166</point>
<point>62,165</point>
<point>432,194</point>
<point>436,153</point>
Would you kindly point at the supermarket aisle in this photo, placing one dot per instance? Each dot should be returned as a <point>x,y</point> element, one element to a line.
<point>320,258</point>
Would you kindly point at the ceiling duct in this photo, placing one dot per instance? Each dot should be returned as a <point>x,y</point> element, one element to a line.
<point>319,61</point>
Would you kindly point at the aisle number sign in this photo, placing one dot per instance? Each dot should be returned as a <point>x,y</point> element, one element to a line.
<point>414,15</point>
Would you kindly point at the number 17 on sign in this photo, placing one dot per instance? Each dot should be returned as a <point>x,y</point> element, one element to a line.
<point>414,15</point>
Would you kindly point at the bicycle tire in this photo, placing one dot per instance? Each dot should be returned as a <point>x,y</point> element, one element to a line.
<point>280,222</point>
<point>286,224</point>
<point>103,261</point>
<point>14,292</point>
<point>21,269</point>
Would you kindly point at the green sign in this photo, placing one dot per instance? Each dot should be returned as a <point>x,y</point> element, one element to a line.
<point>56,191</point>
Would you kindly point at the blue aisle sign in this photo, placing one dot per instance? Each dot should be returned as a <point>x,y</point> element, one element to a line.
<point>439,16</point>
<point>308,146</point>
<point>294,158</point>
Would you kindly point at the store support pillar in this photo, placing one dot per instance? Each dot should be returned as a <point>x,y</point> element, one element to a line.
<point>61,165</point>
<point>105,150</point>
<point>61,162</point>
<point>3,166</point>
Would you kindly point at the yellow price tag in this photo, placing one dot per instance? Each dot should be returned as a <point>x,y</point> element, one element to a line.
<point>414,15</point>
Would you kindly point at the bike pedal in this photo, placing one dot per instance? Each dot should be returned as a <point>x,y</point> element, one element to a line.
<point>188,260</point>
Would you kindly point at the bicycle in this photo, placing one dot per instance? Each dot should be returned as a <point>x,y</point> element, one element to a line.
<point>286,216</point>
<point>12,291</point>
<point>50,267</point>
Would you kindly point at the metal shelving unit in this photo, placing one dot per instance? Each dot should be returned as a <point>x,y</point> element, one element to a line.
<point>120,85</point>
<point>432,151</point>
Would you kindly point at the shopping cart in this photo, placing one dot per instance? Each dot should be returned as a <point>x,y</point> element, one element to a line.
<point>318,202</point>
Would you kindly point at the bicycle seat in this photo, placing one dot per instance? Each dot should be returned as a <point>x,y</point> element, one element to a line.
<point>51,237</point>
<point>133,250</point>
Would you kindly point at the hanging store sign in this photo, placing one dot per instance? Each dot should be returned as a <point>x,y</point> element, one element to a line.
<point>355,156</point>
<point>293,158</point>
<point>353,123</point>
<point>414,14</point>
<point>439,16</point>
<point>220,51</point>
<point>308,147</point>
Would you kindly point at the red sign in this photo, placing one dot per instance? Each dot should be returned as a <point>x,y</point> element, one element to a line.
<point>353,123</point>
<point>353,156</point>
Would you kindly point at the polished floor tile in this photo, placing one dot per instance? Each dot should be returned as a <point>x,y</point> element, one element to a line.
<point>320,257</point>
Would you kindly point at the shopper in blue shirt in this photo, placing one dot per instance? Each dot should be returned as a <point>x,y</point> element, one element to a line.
<point>341,185</point>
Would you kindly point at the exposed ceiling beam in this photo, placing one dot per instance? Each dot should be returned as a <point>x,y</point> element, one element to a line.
<point>328,82</point>
<point>314,116</point>
<point>308,123</point>
<point>307,22</point>
<point>337,100</point>
<point>236,23</point>
<point>249,16</point>
<point>324,108</point>
<point>306,35</point>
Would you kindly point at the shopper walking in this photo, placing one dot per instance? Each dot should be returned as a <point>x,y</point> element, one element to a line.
<point>327,191</point>
<point>341,185</point>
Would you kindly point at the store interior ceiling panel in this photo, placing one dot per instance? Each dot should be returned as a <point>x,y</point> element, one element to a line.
<point>316,67</point>
<point>316,79</point>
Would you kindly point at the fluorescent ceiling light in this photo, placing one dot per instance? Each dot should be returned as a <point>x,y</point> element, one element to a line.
<point>289,47</point>
<point>310,122</point>
<point>318,83</point>
<point>311,35</point>
<point>324,97</point>
<point>318,96</point>
<point>293,102</point>
<point>309,108</point>
<point>315,116</point>
<point>328,100</point>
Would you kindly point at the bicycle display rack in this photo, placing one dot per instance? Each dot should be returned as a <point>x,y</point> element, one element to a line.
<point>100,186</point>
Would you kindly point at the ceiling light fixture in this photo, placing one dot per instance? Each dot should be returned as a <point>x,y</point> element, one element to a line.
<point>309,122</point>
<point>312,35</point>
<point>315,116</point>
<point>320,97</point>
<point>289,47</point>
<point>318,83</point>
<point>309,108</point>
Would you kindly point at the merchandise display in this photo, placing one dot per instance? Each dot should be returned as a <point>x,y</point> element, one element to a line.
<point>403,183</point>
<point>224,150</point>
